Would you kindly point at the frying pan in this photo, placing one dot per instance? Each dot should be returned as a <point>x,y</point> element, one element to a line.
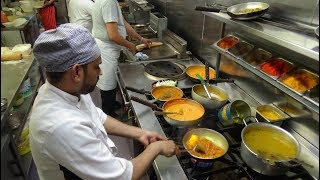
<point>236,11</point>
<point>160,93</point>
<point>215,137</point>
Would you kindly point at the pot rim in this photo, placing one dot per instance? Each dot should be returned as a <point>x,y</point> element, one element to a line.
<point>212,100</point>
<point>273,126</point>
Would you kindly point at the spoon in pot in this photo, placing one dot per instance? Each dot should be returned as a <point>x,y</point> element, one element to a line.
<point>204,85</point>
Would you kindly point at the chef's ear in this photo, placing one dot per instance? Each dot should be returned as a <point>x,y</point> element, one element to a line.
<point>76,73</point>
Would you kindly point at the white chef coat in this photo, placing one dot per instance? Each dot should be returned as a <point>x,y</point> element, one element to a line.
<point>67,131</point>
<point>105,11</point>
<point>79,12</point>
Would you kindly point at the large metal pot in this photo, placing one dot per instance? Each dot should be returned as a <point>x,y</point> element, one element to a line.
<point>190,121</point>
<point>212,135</point>
<point>257,162</point>
<point>241,11</point>
<point>219,96</point>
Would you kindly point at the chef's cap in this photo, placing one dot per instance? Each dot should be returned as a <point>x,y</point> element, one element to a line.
<point>57,50</point>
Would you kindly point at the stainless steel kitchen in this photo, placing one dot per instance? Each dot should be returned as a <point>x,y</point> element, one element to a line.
<point>234,84</point>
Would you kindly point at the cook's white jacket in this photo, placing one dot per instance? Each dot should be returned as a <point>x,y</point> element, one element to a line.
<point>69,131</point>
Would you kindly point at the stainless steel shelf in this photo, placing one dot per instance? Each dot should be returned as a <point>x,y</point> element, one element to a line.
<point>12,75</point>
<point>303,44</point>
<point>304,100</point>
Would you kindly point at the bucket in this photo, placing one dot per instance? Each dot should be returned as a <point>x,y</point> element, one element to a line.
<point>234,112</point>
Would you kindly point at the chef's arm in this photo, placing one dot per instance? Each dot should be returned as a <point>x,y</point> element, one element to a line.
<point>115,127</point>
<point>131,32</point>
<point>48,3</point>
<point>114,35</point>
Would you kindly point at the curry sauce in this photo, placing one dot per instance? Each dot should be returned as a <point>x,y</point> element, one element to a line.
<point>194,70</point>
<point>208,148</point>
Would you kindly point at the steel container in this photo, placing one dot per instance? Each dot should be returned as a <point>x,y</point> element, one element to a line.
<point>259,164</point>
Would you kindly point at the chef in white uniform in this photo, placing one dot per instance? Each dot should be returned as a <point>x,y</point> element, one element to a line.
<point>110,30</point>
<point>79,12</point>
<point>68,133</point>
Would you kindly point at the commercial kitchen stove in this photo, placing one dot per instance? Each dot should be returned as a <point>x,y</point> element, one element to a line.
<point>183,166</point>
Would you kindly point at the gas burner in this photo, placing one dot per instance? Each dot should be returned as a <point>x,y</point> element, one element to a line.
<point>161,70</point>
<point>200,164</point>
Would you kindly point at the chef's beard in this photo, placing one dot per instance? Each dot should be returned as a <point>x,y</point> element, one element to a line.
<point>87,87</point>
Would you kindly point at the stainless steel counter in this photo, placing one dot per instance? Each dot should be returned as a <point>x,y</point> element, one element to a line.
<point>12,75</point>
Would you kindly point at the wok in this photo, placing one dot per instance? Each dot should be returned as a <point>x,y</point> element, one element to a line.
<point>243,11</point>
<point>215,137</point>
<point>161,93</point>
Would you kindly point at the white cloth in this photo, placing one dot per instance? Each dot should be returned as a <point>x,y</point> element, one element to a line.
<point>79,12</point>
<point>67,131</point>
<point>105,11</point>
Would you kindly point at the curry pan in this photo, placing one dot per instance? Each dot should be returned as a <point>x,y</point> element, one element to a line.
<point>183,119</point>
<point>212,135</point>
<point>161,93</point>
<point>240,11</point>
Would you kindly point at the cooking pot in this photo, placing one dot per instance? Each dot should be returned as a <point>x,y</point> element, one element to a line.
<point>193,70</point>
<point>191,112</point>
<point>243,11</point>
<point>219,96</point>
<point>188,112</point>
<point>259,159</point>
<point>160,93</point>
<point>215,137</point>
<point>234,112</point>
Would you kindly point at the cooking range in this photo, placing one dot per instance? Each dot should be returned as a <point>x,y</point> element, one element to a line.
<point>229,166</point>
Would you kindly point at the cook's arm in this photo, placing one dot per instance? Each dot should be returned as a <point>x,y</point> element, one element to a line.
<point>131,32</point>
<point>113,34</point>
<point>48,3</point>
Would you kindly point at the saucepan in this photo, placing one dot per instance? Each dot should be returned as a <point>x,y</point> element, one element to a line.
<point>243,11</point>
<point>180,112</point>
<point>161,93</point>
<point>268,148</point>
<point>205,144</point>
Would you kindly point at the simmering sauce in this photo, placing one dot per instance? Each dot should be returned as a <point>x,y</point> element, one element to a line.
<point>270,144</point>
<point>193,71</point>
<point>167,93</point>
<point>187,111</point>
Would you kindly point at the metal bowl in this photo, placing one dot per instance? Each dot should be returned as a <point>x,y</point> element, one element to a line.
<point>220,97</point>
<point>212,135</point>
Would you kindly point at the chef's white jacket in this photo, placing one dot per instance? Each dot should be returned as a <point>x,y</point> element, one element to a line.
<point>69,131</point>
<point>79,12</point>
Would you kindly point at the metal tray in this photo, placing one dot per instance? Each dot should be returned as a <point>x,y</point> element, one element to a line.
<point>291,66</point>
<point>229,37</point>
<point>271,108</point>
<point>295,72</point>
<point>291,110</point>
<point>240,49</point>
<point>256,57</point>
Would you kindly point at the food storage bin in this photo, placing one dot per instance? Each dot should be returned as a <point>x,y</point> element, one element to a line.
<point>256,57</point>
<point>270,113</point>
<point>275,67</point>
<point>240,49</point>
<point>300,80</point>
<point>226,43</point>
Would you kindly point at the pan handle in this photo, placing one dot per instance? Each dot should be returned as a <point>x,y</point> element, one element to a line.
<point>140,91</point>
<point>210,9</point>
<point>154,107</point>
<point>244,119</point>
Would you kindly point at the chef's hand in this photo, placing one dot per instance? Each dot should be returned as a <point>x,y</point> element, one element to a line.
<point>132,48</point>
<point>167,148</point>
<point>149,137</point>
<point>145,41</point>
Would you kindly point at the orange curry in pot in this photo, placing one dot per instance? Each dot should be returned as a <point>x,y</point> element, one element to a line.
<point>187,110</point>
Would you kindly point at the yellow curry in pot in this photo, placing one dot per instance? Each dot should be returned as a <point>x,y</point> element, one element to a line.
<point>186,111</point>
<point>166,93</point>
<point>271,145</point>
